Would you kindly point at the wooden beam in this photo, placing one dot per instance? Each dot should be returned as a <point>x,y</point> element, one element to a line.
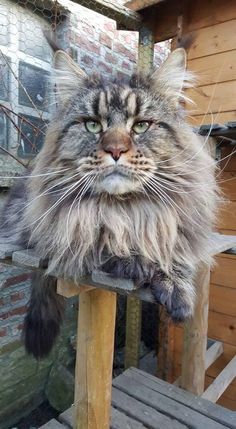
<point>220,384</point>
<point>133,332</point>
<point>195,337</point>
<point>212,354</point>
<point>68,288</point>
<point>94,360</point>
<point>141,4</point>
<point>126,18</point>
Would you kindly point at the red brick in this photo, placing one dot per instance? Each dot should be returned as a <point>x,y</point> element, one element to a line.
<point>4,316</point>
<point>110,58</point>
<point>104,67</point>
<point>20,326</point>
<point>126,65</point>
<point>17,296</point>
<point>88,28</point>
<point>3,332</point>
<point>110,26</point>
<point>86,59</point>
<point>105,40</point>
<point>17,279</point>
<point>87,44</point>
<point>17,311</point>
<point>121,49</point>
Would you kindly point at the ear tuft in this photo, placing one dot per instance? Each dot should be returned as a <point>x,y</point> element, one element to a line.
<point>69,76</point>
<point>171,79</point>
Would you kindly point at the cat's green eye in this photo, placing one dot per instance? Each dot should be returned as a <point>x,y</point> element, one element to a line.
<point>141,127</point>
<point>94,127</point>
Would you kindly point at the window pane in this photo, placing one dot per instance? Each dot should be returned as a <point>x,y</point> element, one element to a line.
<point>32,40</point>
<point>3,132</point>
<point>4,78</point>
<point>4,24</point>
<point>31,136</point>
<point>36,84</point>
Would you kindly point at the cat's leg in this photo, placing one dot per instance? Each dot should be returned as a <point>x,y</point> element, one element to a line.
<point>136,268</point>
<point>175,291</point>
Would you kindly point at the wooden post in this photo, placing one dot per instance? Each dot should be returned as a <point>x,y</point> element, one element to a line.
<point>195,337</point>
<point>165,346</point>
<point>134,305</point>
<point>94,360</point>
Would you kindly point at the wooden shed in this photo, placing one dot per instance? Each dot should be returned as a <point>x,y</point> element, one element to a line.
<point>208,29</point>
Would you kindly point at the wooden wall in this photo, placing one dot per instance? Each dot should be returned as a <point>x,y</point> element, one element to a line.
<point>212,55</point>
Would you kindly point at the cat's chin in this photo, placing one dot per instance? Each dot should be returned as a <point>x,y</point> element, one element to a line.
<point>117,184</point>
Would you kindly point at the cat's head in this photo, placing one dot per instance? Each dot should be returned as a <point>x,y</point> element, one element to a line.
<point>118,134</point>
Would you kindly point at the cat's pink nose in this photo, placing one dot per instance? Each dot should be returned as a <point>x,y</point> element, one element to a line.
<point>116,142</point>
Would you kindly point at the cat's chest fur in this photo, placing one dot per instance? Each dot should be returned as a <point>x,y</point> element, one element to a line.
<point>84,237</point>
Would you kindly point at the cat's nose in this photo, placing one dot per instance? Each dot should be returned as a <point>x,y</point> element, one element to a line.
<point>116,142</point>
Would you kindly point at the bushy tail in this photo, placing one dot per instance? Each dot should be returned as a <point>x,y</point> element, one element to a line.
<point>44,316</point>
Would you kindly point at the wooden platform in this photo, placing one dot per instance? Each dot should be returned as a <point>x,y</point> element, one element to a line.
<point>141,401</point>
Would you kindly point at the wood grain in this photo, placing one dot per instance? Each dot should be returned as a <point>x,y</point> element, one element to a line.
<point>219,385</point>
<point>223,300</point>
<point>96,324</point>
<point>208,118</point>
<point>222,327</point>
<point>224,271</point>
<point>195,337</point>
<point>214,68</point>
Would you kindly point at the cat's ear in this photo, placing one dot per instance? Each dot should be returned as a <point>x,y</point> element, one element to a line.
<point>171,79</point>
<point>69,77</point>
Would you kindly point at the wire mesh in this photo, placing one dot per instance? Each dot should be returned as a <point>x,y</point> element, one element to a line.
<point>91,38</point>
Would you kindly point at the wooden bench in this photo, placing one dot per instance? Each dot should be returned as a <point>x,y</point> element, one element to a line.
<point>141,401</point>
<point>95,342</point>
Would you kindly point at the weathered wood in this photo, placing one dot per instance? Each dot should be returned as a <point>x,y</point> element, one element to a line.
<point>211,118</point>
<point>220,384</point>
<point>226,305</point>
<point>215,68</point>
<point>213,411</point>
<point>134,406</point>
<point>53,424</point>
<point>122,421</point>
<point>195,337</point>
<point>133,332</point>
<point>213,353</point>
<point>182,414</point>
<point>126,18</point>
<point>222,327</point>
<point>6,250</point>
<point>95,342</point>
<point>68,288</point>
<point>165,346</point>
<point>141,4</point>
<point>118,420</point>
<point>28,258</point>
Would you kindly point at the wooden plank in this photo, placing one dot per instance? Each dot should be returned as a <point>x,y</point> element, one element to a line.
<point>122,421</point>
<point>230,391</point>
<point>218,243</point>
<point>214,68</point>
<point>141,4</point>
<point>163,404</point>
<point>94,360</point>
<point>222,326</point>
<point>134,406</point>
<point>227,403</point>
<point>209,118</point>
<point>68,288</point>
<point>165,346</point>
<point>228,184</point>
<point>220,38</point>
<point>53,424</point>
<point>213,98</point>
<point>180,396</point>
<point>203,13</point>
<point>28,258</point>
<point>7,250</point>
<point>133,332</point>
<point>213,353</point>
<point>118,420</point>
<point>126,18</point>
<point>223,300</point>
<point>229,161</point>
<point>216,389</point>
<point>224,271</point>
<point>195,337</point>
<point>211,356</point>
<point>227,217</point>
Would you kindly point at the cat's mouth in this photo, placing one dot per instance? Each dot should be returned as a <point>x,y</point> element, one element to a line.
<point>117,181</point>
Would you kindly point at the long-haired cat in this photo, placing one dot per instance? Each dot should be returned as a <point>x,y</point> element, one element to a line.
<point>123,185</point>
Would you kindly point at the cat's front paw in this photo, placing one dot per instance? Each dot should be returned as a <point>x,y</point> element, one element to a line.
<point>176,297</point>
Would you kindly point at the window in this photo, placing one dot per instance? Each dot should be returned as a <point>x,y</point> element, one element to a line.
<point>31,137</point>
<point>33,87</point>
<point>3,131</point>
<point>4,77</point>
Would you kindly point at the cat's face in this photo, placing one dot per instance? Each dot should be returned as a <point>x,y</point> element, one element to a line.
<point>116,134</point>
